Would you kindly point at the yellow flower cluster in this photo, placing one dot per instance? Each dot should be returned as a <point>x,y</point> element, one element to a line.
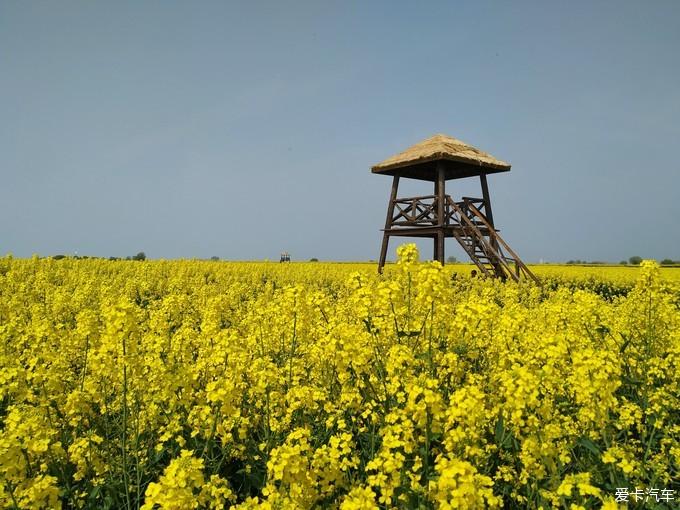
<point>183,486</point>
<point>196,384</point>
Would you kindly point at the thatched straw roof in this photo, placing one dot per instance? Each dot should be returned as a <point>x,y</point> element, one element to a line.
<point>459,158</point>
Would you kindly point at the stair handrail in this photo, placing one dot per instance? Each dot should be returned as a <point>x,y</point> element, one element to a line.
<point>493,232</point>
<point>488,248</point>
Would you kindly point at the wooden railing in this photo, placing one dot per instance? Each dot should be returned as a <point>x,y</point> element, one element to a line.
<point>415,211</point>
<point>467,221</point>
<point>422,211</point>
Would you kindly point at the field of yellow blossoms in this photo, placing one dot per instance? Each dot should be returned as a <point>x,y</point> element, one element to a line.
<point>191,384</point>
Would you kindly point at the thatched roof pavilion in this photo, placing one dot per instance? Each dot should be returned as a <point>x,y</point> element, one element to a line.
<point>459,160</point>
<point>438,216</point>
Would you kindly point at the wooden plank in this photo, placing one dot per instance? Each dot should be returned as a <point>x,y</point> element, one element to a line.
<point>422,197</point>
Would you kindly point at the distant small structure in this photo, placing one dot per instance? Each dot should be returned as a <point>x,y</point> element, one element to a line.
<point>285,256</point>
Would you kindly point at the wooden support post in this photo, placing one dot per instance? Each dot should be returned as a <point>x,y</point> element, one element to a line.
<point>487,207</point>
<point>435,237</point>
<point>441,194</point>
<point>388,223</point>
<point>487,200</point>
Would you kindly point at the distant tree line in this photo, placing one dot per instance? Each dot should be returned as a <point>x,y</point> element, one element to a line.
<point>633,261</point>
<point>582,262</point>
<point>139,256</point>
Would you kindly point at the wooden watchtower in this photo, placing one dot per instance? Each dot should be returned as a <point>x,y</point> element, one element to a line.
<point>469,220</point>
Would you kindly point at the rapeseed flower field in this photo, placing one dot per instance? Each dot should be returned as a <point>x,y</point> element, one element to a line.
<point>190,384</point>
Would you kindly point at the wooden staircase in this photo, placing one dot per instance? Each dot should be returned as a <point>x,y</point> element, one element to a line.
<point>482,242</point>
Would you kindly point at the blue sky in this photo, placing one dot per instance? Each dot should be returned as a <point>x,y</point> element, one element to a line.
<point>193,129</point>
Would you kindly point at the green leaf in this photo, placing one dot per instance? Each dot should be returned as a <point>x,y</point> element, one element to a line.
<point>500,430</point>
<point>587,443</point>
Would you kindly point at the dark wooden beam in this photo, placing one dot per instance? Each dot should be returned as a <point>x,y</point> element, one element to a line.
<point>441,194</point>
<point>431,231</point>
<point>388,223</point>
<point>487,199</point>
